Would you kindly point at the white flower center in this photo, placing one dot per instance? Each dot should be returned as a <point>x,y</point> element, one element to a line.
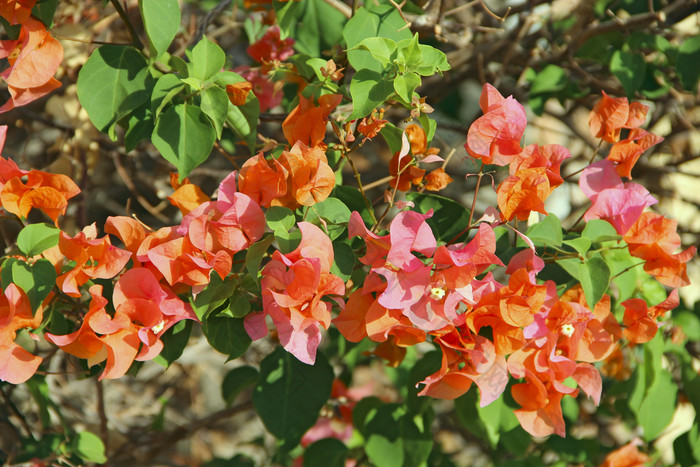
<point>437,293</point>
<point>158,327</point>
<point>567,330</point>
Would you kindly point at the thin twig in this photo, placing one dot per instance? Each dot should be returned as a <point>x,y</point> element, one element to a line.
<point>132,187</point>
<point>341,7</point>
<point>18,414</point>
<point>130,27</point>
<point>104,432</point>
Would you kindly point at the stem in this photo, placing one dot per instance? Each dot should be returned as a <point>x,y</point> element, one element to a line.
<point>130,27</point>
<point>18,414</point>
<point>104,432</point>
<point>359,184</point>
<point>627,269</point>
<point>471,211</point>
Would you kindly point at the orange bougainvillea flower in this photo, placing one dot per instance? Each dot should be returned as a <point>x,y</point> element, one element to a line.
<point>437,180</point>
<point>34,58</point>
<point>640,320</point>
<point>653,238</point>
<point>625,153</point>
<point>307,121</point>
<point>372,125</point>
<point>264,180</point>
<point>187,196</point>
<point>611,114</point>
<point>238,92</point>
<point>16,364</point>
<point>94,259</point>
<point>16,11</point>
<point>404,173</point>
<point>524,192</point>
<point>310,178</point>
<point>47,192</point>
<point>626,456</point>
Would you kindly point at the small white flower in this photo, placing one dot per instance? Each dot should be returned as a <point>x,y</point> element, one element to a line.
<point>567,330</point>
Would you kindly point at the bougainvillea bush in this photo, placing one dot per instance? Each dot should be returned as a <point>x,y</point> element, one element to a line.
<point>538,328</point>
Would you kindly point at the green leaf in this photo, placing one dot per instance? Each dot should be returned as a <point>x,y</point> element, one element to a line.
<point>236,381</point>
<point>429,126</point>
<point>113,82</point>
<point>352,198</point>
<point>688,322</point>
<point>551,79</point>
<point>290,394</point>
<point>89,447</point>
<point>255,254</point>
<point>280,218</point>
<point>580,244</point>
<point>368,90</point>
<point>432,61</point>
<point>547,232</point>
<point>315,25</point>
<point>343,261</point>
<point>184,136</point>
<point>449,217</point>
<point>244,120</point>
<point>174,340</point>
<point>382,49</point>
<point>327,452</point>
<point>36,279</point>
<point>334,214</point>
<point>213,296</point>
<point>161,19</point>
<point>629,68</point>
<point>238,307</point>
<point>207,59</point>
<point>226,335</point>
<point>164,91</point>
<point>139,126</point>
<point>595,277</point>
<point>410,52</point>
<point>598,230</point>
<point>44,11</point>
<point>215,104</point>
<point>656,411</point>
<point>404,85</point>
<point>34,239</point>
<point>688,63</point>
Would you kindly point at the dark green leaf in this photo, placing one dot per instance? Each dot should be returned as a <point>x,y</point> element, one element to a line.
<point>227,335</point>
<point>327,452</point>
<point>174,340</point>
<point>290,394</point>
<point>688,63</point>
<point>139,126</point>
<point>236,381</point>
<point>344,260</point>
<point>629,68</point>
<point>44,11</point>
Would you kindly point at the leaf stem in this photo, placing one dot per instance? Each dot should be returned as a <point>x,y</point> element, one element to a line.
<point>130,27</point>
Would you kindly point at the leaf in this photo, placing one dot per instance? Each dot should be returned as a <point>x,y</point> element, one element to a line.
<point>236,381</point>
<point>594,275</point>
<point>580,244</point>
<point>368,90</point>
<point>656,411</point>
<point>629,68</point>
<point>432,61</point>
<point>410,52</point>
<point>244,120</point>
<point>598,230</point>
<point>315,25</point>
<point>113,82</point>
<point>184,136</point>
<point>174,340</point>
<point>226,335</point>
<point>36,279</point>
<point>547,232</point>
<point>551,79</point>
<point>44,10</point>
<point>207,59</point>
<point>327,452</point>
<point>280,218</point>
<point>382,49</point>
<point>449,217</point>
<point>89,447</point>
<point>255,254</point>
<point>333,212</point>
<point>213,296</point>
<point>34,239</point>
<point>688,63</point>
<point>165,89</point>
<point>161,19</point>
<point>139,126</point>
<point>290,394</point>
<point>343,260</point>
<point>215,106</point>
<point>404,85</point>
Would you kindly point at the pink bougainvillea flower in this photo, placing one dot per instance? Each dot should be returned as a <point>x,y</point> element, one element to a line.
<point>466,358</point>
<point>34,58</point>
<point>495,137</point>
<point>268,93</point>
<point>611,114</point>
<point>271,47</point>
<point>45,191</point>
<point>640,319</point>
<point>94,259</point>
<point>16,364</point>
<point>293,288</point>
<point>625,153</point>
<point>144,310</point>
<point>621,204</point>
